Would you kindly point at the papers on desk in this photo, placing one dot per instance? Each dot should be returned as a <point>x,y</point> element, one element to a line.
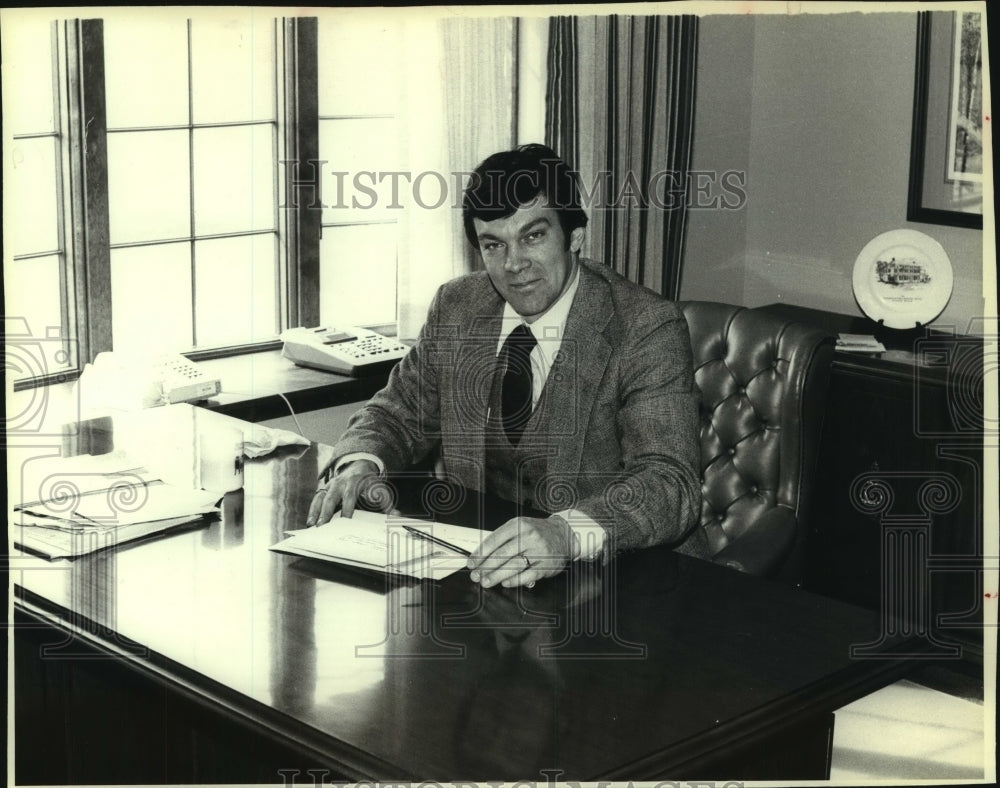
<point>859,343</point>
<point>87,503</point>
<point>379,542</point>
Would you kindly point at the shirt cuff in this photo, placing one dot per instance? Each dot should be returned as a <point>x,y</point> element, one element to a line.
<point>588,536</point>
<point>359,455</point>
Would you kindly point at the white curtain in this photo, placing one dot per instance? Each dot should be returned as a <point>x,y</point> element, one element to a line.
<point>457,107</point>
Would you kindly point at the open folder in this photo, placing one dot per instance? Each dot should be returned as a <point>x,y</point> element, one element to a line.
<point>380,542</point>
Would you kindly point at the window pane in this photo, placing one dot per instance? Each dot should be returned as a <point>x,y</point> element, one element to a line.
<point>357,275</point>
<point>32,295</point>
<point>234,179</point>
<point>27,63</point>
<point>34,224</point>
<point>151,298</point>
<point>363,149</point>
<point>148,183</point>
<point>145,66</point>
<point>358,64</point>
<point>236,298</point>
<point>232,64</point>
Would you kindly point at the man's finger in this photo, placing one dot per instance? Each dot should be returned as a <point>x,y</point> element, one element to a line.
<point>330,502</point>
<point>316,506</point>
<point>502,566</point>
<point>349,501</point>
<point>526,578</point>
<point>493,543</point>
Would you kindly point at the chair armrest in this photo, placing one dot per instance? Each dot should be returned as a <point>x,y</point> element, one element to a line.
<point>762,549</point>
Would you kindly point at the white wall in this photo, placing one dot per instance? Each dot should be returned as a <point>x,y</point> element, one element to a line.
<point>818,107</point>
<point>715,248</point>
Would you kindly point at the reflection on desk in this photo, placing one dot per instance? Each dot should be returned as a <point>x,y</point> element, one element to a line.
<point>234,662</point>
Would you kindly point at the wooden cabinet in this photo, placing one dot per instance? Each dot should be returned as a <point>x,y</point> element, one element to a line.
<point>897,509</point>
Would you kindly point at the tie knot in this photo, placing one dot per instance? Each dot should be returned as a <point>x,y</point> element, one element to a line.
<point>521,340</point>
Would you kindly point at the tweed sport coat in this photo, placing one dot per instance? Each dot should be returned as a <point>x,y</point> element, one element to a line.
<point>621,444</point>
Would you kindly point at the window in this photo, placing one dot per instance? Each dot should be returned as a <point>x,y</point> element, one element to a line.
<point>359,149</point>
<point>38,279</point>
<point>144,156</point>
<point>162,170</point>
<point>192,182</point>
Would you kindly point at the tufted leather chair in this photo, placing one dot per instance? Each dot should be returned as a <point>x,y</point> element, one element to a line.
<point>763,383</point>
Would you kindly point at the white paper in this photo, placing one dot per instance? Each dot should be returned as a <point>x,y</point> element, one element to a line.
<point>66,478</point>
<point>156,501</point>
<point>106,489</point>
<point>379,541</point>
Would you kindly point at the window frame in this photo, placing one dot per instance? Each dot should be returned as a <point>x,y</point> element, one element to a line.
<point>67,39</point>
<point>83,175</point>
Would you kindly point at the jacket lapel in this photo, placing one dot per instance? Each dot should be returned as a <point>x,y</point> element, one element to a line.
<point>472,376</point>
<point>577,372</point>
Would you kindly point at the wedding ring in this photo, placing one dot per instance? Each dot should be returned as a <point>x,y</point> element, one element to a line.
<point>531,584</point>
<point>527,563</point>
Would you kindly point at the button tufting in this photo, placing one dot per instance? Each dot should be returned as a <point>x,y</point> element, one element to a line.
<point>732,452</point>
<point>754,489</point>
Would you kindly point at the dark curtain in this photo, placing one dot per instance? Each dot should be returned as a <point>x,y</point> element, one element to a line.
<point>620,110</point>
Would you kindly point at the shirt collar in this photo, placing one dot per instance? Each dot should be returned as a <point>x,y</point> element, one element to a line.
<point>552,324</point>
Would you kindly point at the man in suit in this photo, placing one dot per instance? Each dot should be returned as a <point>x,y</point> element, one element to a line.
<point>545,379</point>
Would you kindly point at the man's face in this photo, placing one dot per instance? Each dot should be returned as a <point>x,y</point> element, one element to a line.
<point>527,257</point>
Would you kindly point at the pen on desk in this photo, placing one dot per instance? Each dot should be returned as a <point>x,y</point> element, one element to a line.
<point>435,540</point>
<point>45,516</point>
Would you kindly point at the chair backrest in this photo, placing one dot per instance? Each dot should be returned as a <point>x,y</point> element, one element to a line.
<point>763,383</point>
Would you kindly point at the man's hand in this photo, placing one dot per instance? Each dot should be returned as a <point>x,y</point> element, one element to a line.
<point>343,490</point>
<point>522,551</point>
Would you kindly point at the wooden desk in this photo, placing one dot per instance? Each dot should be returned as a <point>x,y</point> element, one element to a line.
<point>202,656</point>
<point>253,382</point>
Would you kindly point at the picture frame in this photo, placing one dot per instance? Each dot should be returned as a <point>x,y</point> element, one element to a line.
<point>944,186</point>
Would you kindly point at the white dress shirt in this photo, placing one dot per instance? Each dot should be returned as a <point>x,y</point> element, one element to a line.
<point>547,329</point>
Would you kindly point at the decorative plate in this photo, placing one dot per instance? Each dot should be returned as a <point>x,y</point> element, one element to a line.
<point>902,279</point>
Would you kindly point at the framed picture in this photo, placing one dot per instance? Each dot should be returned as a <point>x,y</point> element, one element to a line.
<point>946,154</point>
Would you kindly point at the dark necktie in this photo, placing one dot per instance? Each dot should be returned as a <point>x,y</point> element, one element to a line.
<point>515,393</point>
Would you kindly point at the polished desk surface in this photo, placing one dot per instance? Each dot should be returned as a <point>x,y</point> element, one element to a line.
<point>622,669</point>
<point>262,385</point>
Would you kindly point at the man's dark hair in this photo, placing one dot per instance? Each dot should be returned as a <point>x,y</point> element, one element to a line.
<point>510,179</point>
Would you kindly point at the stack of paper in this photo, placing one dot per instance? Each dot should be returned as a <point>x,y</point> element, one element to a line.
<point>859,343</point>
<point>87,503</point>
<point>381,543</point>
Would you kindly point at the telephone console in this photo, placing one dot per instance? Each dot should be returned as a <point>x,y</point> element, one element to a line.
<point>185,381</point>
<point>348,351</point>
<point>124,380</point>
